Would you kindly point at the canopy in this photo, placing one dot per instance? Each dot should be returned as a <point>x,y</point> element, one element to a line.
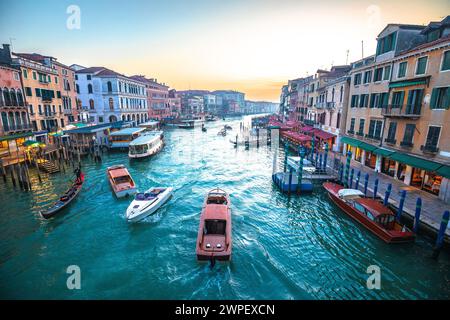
<point>415,162</point>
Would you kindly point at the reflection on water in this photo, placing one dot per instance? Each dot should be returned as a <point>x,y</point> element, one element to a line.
<point>283,247</point>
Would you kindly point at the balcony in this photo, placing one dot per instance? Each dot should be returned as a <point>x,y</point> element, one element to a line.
<point>18,127</point>
<point>390,141</point>
<point>49,114</point>
<point>331,105</point>
<point>46,99</point>
<point>402,111</point>
<point>373,137</point>
<point>9,104</point>
<point>406,144</point>
<point>428,148</point>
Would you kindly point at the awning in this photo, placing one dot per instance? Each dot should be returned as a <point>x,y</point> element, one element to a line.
<point>444,171</point>
<point>407,83</point>
<point>322,134</point>
<point>351,141</point>
<point>415,162</point>
<point>367,147</point>
<point>383,152</point>
<point>16,136</point>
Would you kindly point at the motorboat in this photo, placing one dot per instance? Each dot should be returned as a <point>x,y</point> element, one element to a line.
<point>222,132</point>
<point>228,127</point>
<point>214,233</point>
<point>65,199</point>
<point>148,144</point>
<point>146,203</point>
<point>370,213</point>
<point>121,181</point>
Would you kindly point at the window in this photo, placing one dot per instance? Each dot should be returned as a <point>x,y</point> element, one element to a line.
<point>391,132</point>
<point>38,92</point>
<point>378,74</point>
<point>91,104</point>
<point>374,100</point>
<point>28,92</point>
<point>40,109</point>
<point>386,43</point>
<point>402,69</point>
<point>433,137</point>
<point>111,104</point>
<point>49,79</point>
<point>76,77</point>
<point>375,129</point>
<point>25,73</point>
<point>88,77</point>
<point>356,79</point>
<point>30,108</point>
<point>109,86</point>
<point>34,75</point>
<point>414,101</point>
<point>433,35</point>
<point>100,119</point>
<point>446,61</point>
<point>361,127</point>
<point>359,207</point>
<point>77,87</point>
<point>368,76</point>
<point>408,136</point>
<point>440,98</point>
<point>364,101</point>
<point>397,99</point>
<point>58,94</point>
<point>352,125</point>
<point>421,65</point>
<point>89,88</point>
<point>387,73</point>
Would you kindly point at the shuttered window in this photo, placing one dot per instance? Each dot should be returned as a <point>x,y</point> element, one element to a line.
<point>414,101</point>
<point>433,136</point>
<point>421,65</point>
<point>440,98</point>
<point>387,73</point>
<point>446,61</point>
<point>402,69</point>
<point>361,126</point>
<point>397,99</point>
<point>409,134</point>
<point>391,132</point>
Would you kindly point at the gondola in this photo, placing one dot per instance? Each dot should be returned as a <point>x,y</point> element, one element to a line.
<point>65,199</point>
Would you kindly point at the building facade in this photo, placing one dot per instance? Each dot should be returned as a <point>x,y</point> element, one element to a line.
<point>109,96</point>
<point>157,98</point>
<point>398,110</point>
<point>14,117</point>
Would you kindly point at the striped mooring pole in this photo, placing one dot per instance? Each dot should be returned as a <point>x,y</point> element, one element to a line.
<point>312,147</point>
<point>320,162</point>
<point>401,204</point>
<point>286,146</point>
<point>440,237</point>
<point>302,153</point>
<point>375,188</point>
<point>347,168</point>
<point>290,181</point>
<point>350,183</point>
<point>358,176</point>
<point>341,173</point>
<point>366,183</point>
<point>325,158</point>
<point>417,215</point>
<point>387,194</point>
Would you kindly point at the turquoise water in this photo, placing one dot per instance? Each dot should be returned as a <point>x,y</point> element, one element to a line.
<point>283,248</point>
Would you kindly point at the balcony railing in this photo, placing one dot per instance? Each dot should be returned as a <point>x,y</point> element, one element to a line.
<point>428,148</point>
<point>373,137</point>
<point>331,105</point>
<point>360,133</point>
<point>402,111</point>
<point>10,104</point>
<point>390,140</point>
<point>18,127</point>
<point>406,144</point>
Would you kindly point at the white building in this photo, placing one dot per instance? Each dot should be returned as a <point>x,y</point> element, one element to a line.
<point>109,96</point>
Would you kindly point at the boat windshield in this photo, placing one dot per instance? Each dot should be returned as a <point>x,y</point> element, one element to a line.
<point>217,199</point>
<point>138,149</point>
<point>122,179</point>
<point>215,227</point>
<point>144,196</point>
<point>387,221</point>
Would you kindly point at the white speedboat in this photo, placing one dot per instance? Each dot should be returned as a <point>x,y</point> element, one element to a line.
<point>146,203</point>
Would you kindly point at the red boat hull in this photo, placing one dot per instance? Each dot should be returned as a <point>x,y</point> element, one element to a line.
<point>389,236</point>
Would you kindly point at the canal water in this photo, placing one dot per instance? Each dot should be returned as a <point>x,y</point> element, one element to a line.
<point>283,247</point>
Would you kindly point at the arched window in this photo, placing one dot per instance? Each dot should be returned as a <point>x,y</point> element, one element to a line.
<point>5,121</point>
<point>128,117</point>
<point>89,88</point>
<point>109,86</point>
<point>91,104</point>
<point>20,98</point>
<point>13,97</point>
<point>6,97</point>
<point>111,104</point>
<point>124,117</point>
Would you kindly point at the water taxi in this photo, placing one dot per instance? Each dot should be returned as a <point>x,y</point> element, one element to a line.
<point>121,139</point>
<point>146,145</point>
<point>150,125</point>
<point>121,181</point>
<point>146,203</point>
<point>371,213</point>
<point>214,232</point>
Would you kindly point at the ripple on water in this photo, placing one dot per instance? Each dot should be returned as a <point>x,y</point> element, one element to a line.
<point>283,247</point>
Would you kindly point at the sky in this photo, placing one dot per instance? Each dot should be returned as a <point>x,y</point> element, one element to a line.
<point>253,46</point>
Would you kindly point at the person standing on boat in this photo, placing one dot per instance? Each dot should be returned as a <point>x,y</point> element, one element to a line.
<point>77,172</point>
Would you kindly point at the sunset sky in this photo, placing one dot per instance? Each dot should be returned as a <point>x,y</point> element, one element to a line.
<point>253,46</point>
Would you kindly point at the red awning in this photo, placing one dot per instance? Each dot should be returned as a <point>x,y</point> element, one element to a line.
<point>306,128</point>
<point>323,135</point>
<point>296,137</point>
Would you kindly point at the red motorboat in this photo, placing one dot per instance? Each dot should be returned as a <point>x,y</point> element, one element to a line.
<point>214,232</point>
<point>371,213</point>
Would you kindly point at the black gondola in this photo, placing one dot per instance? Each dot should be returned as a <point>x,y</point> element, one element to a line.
<point>65,199</point>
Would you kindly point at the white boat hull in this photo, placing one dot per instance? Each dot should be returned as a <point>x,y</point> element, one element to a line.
<point>139,209</point>
<point>125,193</point>
<point>149,152</point>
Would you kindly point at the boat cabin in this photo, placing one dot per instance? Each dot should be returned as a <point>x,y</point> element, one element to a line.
<point>122,138</point>
<point>371,208</point>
